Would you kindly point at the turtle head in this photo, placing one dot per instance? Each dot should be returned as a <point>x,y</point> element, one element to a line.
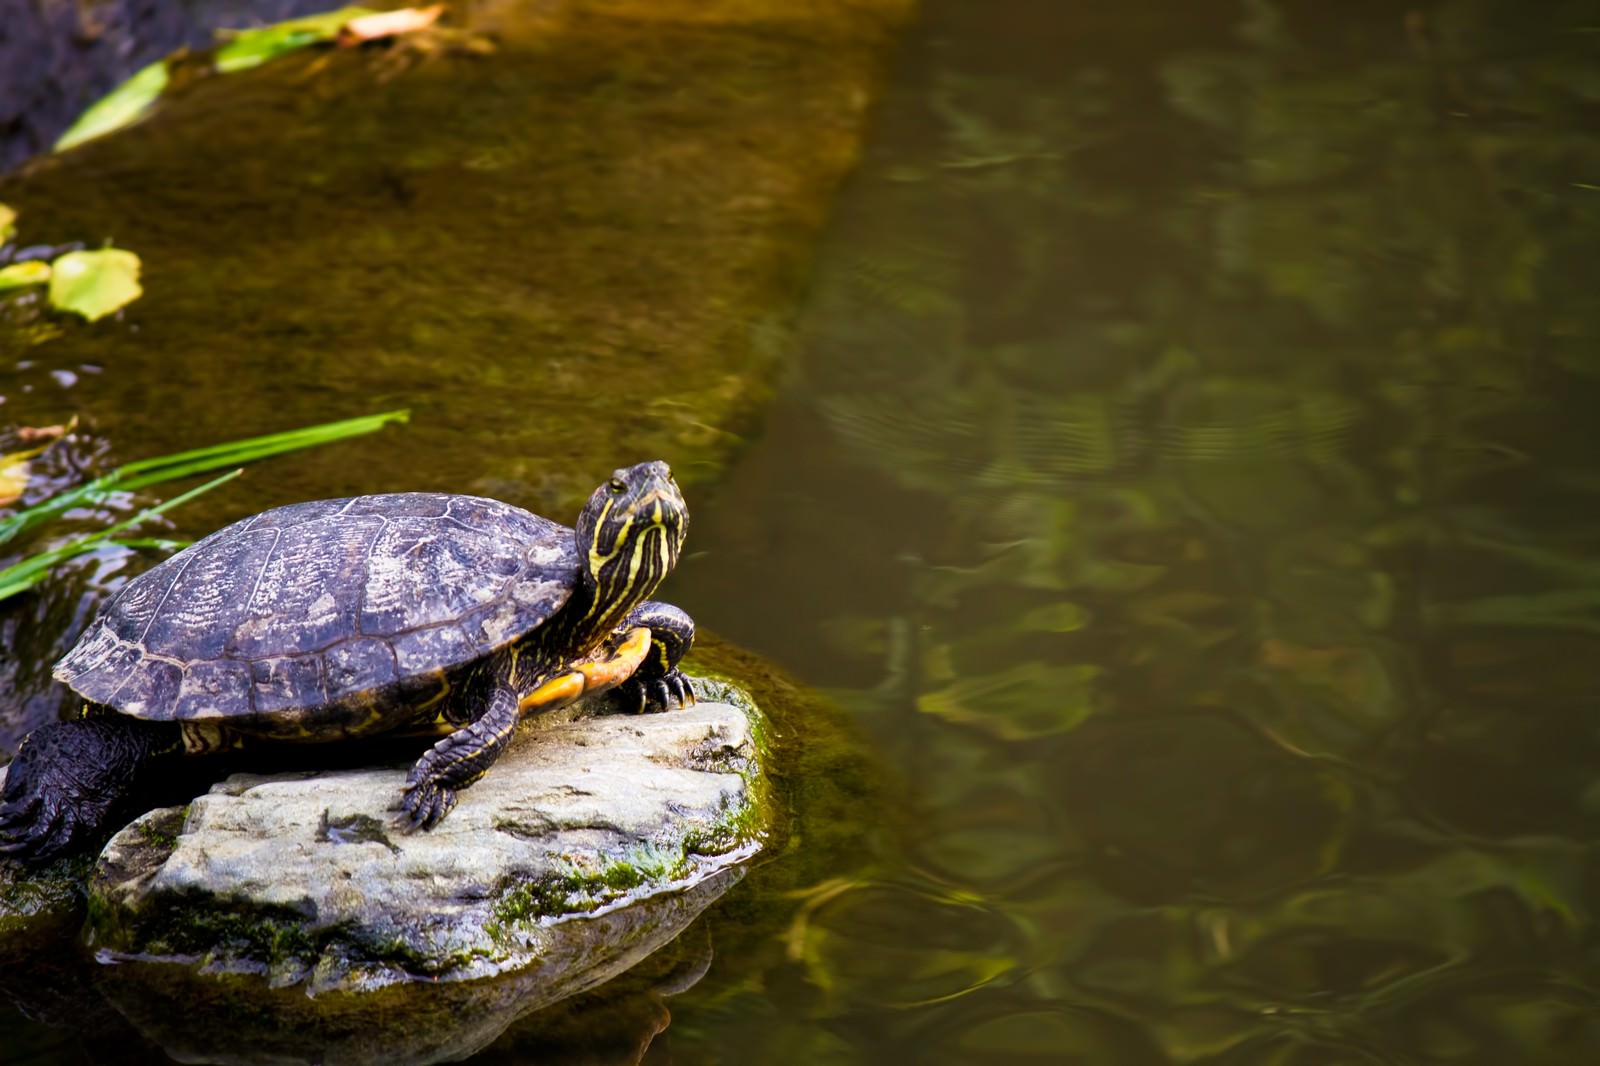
<point>631,531</point>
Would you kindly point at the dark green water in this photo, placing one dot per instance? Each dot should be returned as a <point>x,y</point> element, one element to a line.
<point>1188,483</point>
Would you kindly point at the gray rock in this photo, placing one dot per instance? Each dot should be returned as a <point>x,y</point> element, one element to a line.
<point>237,1021</point>
<point>309,879</point>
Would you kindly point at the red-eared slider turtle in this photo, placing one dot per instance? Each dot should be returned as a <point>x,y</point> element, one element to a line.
<point>409,612</point>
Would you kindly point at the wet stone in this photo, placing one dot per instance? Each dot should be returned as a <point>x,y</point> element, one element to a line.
<point>310,879</point>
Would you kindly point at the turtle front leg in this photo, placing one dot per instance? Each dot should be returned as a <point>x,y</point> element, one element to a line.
<point>72,782</point>
<point>658,684</point>
<point>458,760</point>
<point>466,755</point>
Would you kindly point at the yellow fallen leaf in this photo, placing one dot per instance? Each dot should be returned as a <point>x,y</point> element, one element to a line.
<point>94,283</point>
<point>15,470</point>
<point>388,24</point>
<point>21,275</point>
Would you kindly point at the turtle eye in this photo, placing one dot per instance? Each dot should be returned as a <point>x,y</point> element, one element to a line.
<point>616,486</point>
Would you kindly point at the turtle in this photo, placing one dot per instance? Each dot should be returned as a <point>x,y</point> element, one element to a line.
<point>402,613</point>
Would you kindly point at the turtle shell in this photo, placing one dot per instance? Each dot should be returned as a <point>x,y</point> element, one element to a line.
<point>330,604</point>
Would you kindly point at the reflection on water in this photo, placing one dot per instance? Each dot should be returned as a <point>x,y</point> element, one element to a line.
<point>1188,483</point>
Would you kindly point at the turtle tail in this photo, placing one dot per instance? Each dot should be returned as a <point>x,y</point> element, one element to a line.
<point>72,783</point>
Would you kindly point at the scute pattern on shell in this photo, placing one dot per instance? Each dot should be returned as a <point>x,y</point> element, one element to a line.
<point>323,605</point>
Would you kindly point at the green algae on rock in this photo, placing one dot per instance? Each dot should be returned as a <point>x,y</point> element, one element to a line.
<point>235,1018</point>
<point>585,247</point>
<point>39,903</point>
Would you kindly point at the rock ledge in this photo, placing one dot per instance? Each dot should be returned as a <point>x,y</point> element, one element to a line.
<point>308,878</point>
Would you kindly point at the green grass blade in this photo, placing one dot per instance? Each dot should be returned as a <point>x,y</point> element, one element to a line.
<point>273,443</point>
<point>145,472</point>
<point>21,576</point>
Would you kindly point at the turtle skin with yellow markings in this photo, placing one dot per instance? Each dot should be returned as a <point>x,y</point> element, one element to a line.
<point>406,613</point>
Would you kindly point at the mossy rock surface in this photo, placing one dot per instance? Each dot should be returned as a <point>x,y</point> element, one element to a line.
<point>580,250</point>
<point>236,1019</point>
<point>307,879</point>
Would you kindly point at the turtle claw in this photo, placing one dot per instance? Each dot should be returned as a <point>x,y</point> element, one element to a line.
<point>67,785</point>
<point>38,840</point>
<point>650,695</point>
<point>426,803</point>
<point>673,693</point>
<point>36,832</point>
<point>17,818</point>
<point>16,814</point>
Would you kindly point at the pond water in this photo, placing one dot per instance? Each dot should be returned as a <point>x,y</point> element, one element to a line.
<point>1186,484</point>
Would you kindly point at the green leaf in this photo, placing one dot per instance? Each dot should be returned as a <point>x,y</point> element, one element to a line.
<point>19,275</point>
<point>250,48</point>
<point>123,106</point>
<point>8,222</point>
<point>94,284</point>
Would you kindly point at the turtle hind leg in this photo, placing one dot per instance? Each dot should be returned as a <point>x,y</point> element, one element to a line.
<point>72,783</point>
<point>658,684</point>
